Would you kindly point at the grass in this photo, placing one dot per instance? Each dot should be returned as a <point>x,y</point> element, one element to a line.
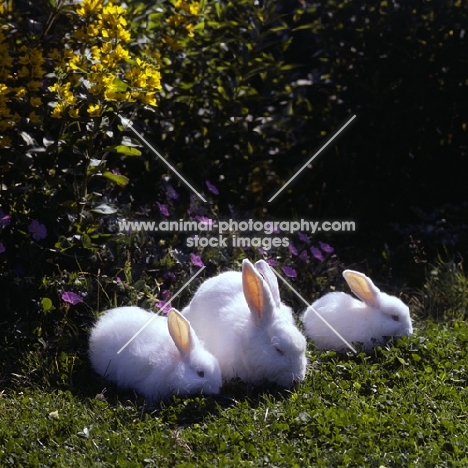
<point>402,405</point>
<point>406,405</point>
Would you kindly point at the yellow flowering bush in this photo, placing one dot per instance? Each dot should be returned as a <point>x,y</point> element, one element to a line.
<point>68,70</point>
<point>93,67</point>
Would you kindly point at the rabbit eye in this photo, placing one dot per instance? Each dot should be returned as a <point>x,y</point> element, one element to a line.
<point>279,351</point>
<point>200,373</point>
<point>395,317</point>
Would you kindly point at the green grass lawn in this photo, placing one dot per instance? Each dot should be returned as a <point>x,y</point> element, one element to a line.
<point>404,405</point>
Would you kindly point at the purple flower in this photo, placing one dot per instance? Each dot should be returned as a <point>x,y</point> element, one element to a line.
<point>4,219</point>
<point>71,298</point>
<point>292,249</point>
<point>2,247</point>
<point>196,260</point>
<point>272,262</point>
<point>170,276</point>
<point>163,209</point>
<point>171,193</point>
<point>163,306</point>
<point>289,272</point>
<point>166,294</point>
<point>326,248</point>
<point>37,230</point>
<point>303,237</point>
<point>211,187</point>
<point>204,219</point>
<point>316,253</point>
<point>304,257</point>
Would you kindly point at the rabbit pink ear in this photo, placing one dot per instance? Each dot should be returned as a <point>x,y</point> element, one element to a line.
<point>253,288</point>
<point>363,287</point>
<point>270,279</point>
<point>179,329</point>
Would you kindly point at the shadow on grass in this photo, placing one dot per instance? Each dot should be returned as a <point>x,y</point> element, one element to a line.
<point>179,411</point>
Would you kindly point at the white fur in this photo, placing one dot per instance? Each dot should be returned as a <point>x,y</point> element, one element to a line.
<point>369,322</point>
<point>165,358</point>
<point>241,320</point>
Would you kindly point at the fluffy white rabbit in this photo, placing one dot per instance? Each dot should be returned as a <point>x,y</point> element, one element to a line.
<point>241,320</point>
<point>165,356</point>
<point>371,322</point>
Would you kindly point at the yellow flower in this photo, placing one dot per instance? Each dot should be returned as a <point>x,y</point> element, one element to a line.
<point>149,99</point>
<point>172,43</point>
<point>95,89</point>
<point>54,55</point>
<point>34,118</point>
<point>4,89</point>
<point>195,8</point>
<point>4,125</point>
<point>175,20</point>
<point>74,113</point>
<point>94,110</point>
<point>23,72</point>
<point>5,142</point>
<point>189,28</point>
<point>96,52</point>
<point>88,7</point>
<point>35,101</point>
<point>113,95</point>
<point>58,110</point>
<point>6,114</point>
<point>34,85</point>
<point>77,62</point>
<point>93,30</point>
<point>37,72</point>
<point>55,88</point>
<point>70,99</point>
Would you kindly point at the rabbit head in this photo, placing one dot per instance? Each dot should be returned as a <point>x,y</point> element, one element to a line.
<point>275,349</point>
<point>197,370</point>
<point>394,314</point>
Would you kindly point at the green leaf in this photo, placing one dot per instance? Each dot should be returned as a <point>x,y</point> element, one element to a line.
<point>86,241</point>
<point>119,179</point>
<point>47,304</point>
<point>123,149</point>
<point>120,85</point>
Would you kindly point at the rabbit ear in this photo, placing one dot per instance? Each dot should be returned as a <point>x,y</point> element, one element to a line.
<point>256,294</point>
<point>270,279</point>
<point>180,331</point>
<point>363,287</point>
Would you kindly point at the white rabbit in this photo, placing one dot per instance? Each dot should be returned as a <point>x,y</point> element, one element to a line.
<point>241,320</point>
<point>371,322</point>
<point>164,357</point>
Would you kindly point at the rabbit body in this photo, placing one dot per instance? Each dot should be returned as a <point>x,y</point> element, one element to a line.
<point>370,321</point>
<point>242,322</point>
<point>165,357</point>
